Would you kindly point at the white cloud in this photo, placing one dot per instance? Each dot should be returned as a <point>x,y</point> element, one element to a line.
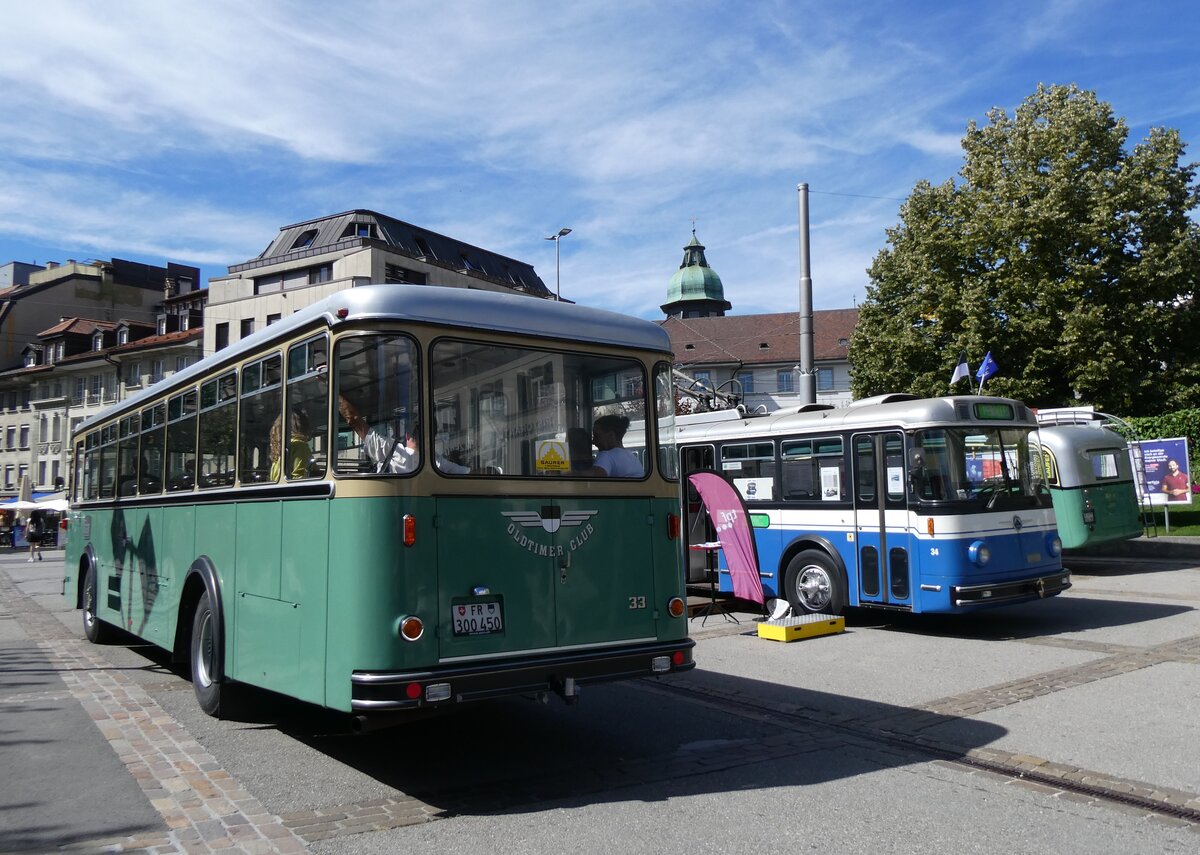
<point>205,128</point>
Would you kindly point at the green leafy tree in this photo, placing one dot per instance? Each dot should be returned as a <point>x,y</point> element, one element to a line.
<point>1073,260</point>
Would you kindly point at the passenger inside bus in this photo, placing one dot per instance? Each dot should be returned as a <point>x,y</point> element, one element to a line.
<point>923,483</point>
<point>298,449</point>
<point>614,460</point>
<point>387,453</point>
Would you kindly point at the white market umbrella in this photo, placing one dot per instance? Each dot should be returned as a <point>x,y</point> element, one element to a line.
<point>59,505</point>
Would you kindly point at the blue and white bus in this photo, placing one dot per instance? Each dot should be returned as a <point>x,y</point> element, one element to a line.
<point>895,502</point>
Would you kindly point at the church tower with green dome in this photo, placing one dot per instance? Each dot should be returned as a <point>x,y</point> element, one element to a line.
<point>695,290</point>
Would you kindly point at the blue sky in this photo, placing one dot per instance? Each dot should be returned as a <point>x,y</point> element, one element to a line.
<point>192,132</point>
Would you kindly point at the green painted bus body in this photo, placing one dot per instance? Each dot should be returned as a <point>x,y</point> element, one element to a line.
<point>314,589</point>
<point>1115,514</point>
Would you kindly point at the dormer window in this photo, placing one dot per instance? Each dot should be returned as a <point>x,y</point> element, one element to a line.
<point>122,336</point>
<point>59,351</point>
<point>361,230</point>
<point>306,238</point>
<point>30,359</point>
<point>98,341</point>
<point>423,248</point>
<point>162,326</point>
<point>762,345</point>
<point>467,264</point>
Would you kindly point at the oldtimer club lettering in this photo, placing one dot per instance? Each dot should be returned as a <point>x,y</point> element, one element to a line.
<point>517,520</point>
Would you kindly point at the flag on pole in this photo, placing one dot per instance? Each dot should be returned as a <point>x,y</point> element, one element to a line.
<point>961,370</point>
<point>987,368</point>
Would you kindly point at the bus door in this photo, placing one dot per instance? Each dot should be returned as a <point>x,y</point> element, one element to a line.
<point>885,547</point>
<point>604,569</point>
<point>528,573</point>
<point>697,527</point>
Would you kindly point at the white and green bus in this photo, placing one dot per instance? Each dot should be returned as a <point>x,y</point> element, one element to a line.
<point>370,506</point>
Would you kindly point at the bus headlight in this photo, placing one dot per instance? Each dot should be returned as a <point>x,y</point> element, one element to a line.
<point>1054,545</point>
<point>979,553</point>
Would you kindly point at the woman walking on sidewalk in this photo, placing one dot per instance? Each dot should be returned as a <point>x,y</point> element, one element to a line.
<point>33,534</point>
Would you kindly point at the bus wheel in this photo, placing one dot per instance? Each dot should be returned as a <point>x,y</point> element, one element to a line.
<point>96,630</point>
<point>206,656</point>
<point>813,584</point>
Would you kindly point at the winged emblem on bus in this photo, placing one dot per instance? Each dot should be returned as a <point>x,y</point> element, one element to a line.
<point>551,521</point>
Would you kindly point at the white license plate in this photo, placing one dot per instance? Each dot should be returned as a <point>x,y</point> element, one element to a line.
<point>477,618</point>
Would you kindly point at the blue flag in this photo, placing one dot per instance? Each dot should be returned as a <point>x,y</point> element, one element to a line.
<point>987,368</point>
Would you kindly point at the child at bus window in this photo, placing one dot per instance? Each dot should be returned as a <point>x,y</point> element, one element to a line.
<point>298,450</point>
<point>614,460</point>
<point>386,453</point>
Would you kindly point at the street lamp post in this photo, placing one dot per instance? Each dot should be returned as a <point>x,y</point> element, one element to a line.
<point>562,233</point>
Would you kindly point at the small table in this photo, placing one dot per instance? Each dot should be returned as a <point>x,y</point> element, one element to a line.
<point>710,550</point>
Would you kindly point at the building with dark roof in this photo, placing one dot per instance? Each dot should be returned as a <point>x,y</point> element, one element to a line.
<point>753,358</point>
<point>756,358</point>
<point>104,290</point>
<point>308,261</point>
<point>78,337</point>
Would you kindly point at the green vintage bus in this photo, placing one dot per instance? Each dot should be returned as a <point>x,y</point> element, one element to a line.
<point>1091,479</point>
<point>370,506</point>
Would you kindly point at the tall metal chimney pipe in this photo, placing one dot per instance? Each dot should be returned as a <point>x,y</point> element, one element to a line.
<point>808,380</point>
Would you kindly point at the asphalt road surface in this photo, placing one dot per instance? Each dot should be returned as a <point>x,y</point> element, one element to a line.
<point>1064,725</point>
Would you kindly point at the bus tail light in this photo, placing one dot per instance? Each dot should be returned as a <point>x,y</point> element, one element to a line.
<point>672,526</point>
<point>411,628</point>
<point>410,529</point>
<point>675,607</point>
<point>677,658</point>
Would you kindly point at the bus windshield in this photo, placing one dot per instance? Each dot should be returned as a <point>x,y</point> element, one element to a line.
<point>990,468</point>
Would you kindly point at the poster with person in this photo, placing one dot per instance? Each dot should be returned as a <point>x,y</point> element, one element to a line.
<point>1167,468</point>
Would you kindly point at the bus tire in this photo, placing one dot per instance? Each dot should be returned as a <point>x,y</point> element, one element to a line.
<point>96,630</point>
<point>206,656</point>
<point>813,584</point>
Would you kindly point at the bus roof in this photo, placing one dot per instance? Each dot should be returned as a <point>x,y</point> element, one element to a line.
<point>1076,439</point>
<point>904,411</point>
<point>451,307</point>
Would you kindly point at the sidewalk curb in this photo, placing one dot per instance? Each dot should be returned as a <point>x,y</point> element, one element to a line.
<point>1162,547</point>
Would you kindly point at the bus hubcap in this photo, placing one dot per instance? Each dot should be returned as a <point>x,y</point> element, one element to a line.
<point>204,652</point>
<point>814,588</point>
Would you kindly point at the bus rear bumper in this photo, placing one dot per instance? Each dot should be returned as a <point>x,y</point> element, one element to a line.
<point>1011,592</point>
<point>379,691</point>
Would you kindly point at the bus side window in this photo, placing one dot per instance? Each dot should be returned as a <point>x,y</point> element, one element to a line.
<point>864,467</point>
<point>260,421</point>
<point>181,441</point>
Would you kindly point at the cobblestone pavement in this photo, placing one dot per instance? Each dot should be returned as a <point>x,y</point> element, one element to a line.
<point>205,809</point>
